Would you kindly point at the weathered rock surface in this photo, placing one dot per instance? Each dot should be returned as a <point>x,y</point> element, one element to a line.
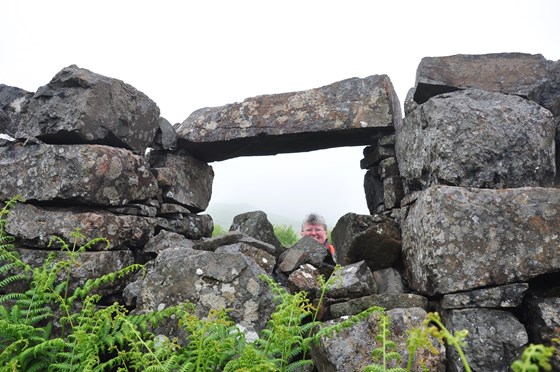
<point>457,239</point>
<point>511,73</point>
<point>510,295</point>
<point>11,102</point>
<point>82,174</point>
<point>78,106</point>
<point>347,113</point>
<point>477,139</point>
<point>256,225</point>
<point>387,301</point>
<point>350,349</point>
<point>496,338</point>
<point>34,226</point>
<point>389,281</point>
<point>373,188</point>
<point>306,250</point>
<point>207,279</point>
<point>184,180</point>
<point>191,226</point>
<point>375,239</point>
<point>233,237</point>
<point>355,280</point>
<point>265,260</point>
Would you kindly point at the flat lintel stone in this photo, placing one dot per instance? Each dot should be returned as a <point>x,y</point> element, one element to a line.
<point>351,112</point>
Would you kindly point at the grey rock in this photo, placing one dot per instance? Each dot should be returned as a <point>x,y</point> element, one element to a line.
<point>355,280</point>
<point>78,106</point>
<point>495,339</point>
<point>262,258</point>
<point>373,188</point>
<point>209,280</point>
<point>457,239</point>
<point>192,226</point>
<point>306,250</point>
<point>305,279</point>
<point>375,239</point>
<point>166,136</point>
<point>346,113</point>
<point>135,209</point>
<point>350,349</point>
<point>378,154</point>
<point>510,295</point>
<point>184,180</point>
<point>393,191</point>
<point>409,103</point>
<point>387,301</point>
<point>388,167</point>
<point>34,226</point>
<point>511,73</point>
<point>477,139</point>
<point>165,240</point>
<point>389,281</point>
<point>86,174</point>
<point>12,100</point>
<point>256,225</point>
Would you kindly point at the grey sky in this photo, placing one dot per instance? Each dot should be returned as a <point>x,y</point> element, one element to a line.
<point>188,55</point>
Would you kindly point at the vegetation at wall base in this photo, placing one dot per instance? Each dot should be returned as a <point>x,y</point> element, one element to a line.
<point>47,326</point>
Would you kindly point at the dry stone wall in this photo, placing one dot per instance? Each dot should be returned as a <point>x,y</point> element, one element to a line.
<point>462,192</point>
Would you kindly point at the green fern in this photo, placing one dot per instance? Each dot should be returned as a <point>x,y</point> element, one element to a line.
<point>534,358</point>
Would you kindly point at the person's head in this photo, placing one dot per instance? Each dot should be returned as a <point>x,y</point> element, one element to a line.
<point>314,225</point>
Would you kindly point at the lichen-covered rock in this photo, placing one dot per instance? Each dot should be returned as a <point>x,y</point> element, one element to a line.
<point>387,301</point>
<point>354,280</point>
<point>262,258</point>
<point>478,139</point>
<point>184,180</point>
<point>82,174</point>
<point>190,225</point>
<point>11,102</point>
<point>34,226</point>
<point>346,113</point>
<point>511,73</point>
<point>209,280</point>
<point>495,339</point>
<point>350,349</point>
<point>457,239</point>
<point>78,106</point>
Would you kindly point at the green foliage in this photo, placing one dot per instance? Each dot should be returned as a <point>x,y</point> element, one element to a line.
<point>533,358</point>
<point>218,231</point>
<point>286,235</point>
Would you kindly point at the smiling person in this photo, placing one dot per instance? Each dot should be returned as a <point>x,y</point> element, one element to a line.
<point>315,226</point>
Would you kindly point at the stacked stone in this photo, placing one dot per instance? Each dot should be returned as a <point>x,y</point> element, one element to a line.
<point>90,152</point>
<point>482,211</point>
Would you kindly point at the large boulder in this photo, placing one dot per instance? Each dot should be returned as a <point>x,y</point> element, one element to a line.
<point>184,180</point>
<point>350,349</point>
<point>511,73</point>
<point>209,280</point>
<point>82,174</point>
<point>495,339</point>
<point>477,139</point>
<point>347,113</point>
<point>374,239</point>
<point>457,239</point>
<point>78,106</point>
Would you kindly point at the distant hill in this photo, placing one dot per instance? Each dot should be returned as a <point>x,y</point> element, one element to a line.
<point>223,214</point>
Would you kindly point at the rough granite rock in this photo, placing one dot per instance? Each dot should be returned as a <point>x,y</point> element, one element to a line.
<point>389,280</point>
<point>347,113</point>
<point>210,280</point>
<point>478,139</point>
<point>387,301</point>
<point>373,188</point>
<point>511,73</point>
<point>78,106</point>
<point>184,180</point>
<point>34,226</point>
<point>82,174</point>
<point>457,239</point>
<point>11,101</point>
<point>355,280</point>
<point>350,349</point>
<point>510,295</point>
<point>543,319</point>
<point>262,258</point>
<point>495,339</point>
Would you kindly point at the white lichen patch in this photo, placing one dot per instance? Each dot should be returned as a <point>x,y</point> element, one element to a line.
<point>161,306</point>
<point>199,272</point>
<point>213,301</point>
<point>228,291</point>
<point>250,311</point>
<point>253,287</point>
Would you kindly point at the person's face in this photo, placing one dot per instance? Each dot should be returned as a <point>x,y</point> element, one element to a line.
<point>317,232</point>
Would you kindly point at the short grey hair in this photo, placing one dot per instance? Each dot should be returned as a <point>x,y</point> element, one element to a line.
<point>314,219</point>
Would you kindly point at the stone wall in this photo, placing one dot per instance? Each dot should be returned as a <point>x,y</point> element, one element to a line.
<point>462,193</point>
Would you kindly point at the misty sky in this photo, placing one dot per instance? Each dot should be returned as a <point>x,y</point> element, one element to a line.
<point>189,55</point>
